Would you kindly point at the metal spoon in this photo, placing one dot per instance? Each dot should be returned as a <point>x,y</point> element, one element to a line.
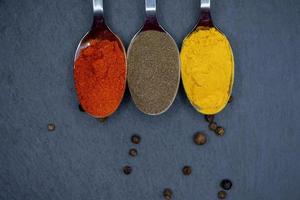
<point>99,31</point>
<point>152,24</point>
<point>204,22</point>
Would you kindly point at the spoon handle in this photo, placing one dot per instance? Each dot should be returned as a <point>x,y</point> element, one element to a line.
<point>150,8</point>
<point>151,22</point>
<point>205,17</point>
<point>98,7</point>
<point>98,23</point>
<point>205,4</point>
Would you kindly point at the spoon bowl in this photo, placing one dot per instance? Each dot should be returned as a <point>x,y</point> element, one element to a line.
<point>205,23</point>
<point>152,26</point>
<point>100,32</point>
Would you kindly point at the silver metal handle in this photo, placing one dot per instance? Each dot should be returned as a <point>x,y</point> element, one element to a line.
<point>98,7</point>
<point>205,4</point>
<point>150,7</point>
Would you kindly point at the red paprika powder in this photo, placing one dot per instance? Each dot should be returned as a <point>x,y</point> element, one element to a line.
<point>100,77</point>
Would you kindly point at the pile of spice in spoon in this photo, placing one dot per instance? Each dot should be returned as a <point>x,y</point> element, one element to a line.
<point>100,68</point>
<point>153,71</point>
<point>100,75</point>
<point>153,66</point>
<point>207,65</point>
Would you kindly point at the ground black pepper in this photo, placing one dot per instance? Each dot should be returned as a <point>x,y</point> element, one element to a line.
<point>153,71</point>
<point>51,127</point>
<point>226,184</point>
<point>222,195</point>
<point>200,138</point>
<point>127,170</point>
<point>135,139</point>
<point>133,152</point>
<point>187,170</point>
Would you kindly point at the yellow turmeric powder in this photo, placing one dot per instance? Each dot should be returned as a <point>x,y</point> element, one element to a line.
<point>207,68</point>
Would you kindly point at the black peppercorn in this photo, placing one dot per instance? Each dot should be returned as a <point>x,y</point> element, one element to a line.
<point>222,195</point>
<point>213,126</point>
<point>135,139</point>
<point>187,170</point>
<point>230,99</point>
<point>80,108</point>
<point>209,118</point>
<point>226,184</point>
<point>220,131</point>
<point>168,193</point>
<point>127,170</point>
<point>133,152</point>
<point>51,127</point>
<point>200,138</point>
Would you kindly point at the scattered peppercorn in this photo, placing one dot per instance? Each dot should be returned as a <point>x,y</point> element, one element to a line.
<point>102,120</point>
<point>220,131</point>
<point>168,197</point>
<point>230,99</point>
<point>187,170</point>
<point>133,152</point>
<point>135,139</point>
<point>222,195</point>
<point>127,170</point>
<point>51,127</point>
<point>213,126</point>
<point>209,118</point>
<point>80,108</point>
<point>200,138</point>
<point>168,193</point>
<point>226,184</point>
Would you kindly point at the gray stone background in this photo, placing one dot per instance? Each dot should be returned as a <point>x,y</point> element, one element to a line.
<point>83,158</point>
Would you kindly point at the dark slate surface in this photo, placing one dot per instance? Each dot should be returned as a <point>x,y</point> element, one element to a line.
<point>83,158</point>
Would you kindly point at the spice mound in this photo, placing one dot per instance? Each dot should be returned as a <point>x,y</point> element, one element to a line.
<point>153,71</point>
<point>207,69</point>
<point>100,77</point>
